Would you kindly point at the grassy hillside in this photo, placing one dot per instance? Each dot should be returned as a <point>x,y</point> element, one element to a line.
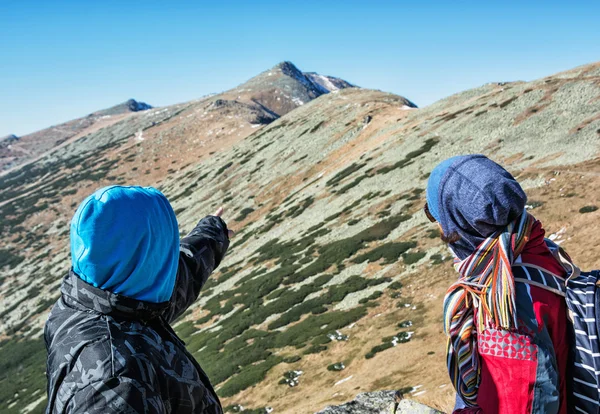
<point>333,263</point>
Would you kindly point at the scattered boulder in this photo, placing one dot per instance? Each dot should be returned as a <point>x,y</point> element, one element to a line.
<point>380,402</point>
<point>291,378</point>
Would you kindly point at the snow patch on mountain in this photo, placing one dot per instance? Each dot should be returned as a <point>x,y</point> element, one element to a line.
<point>321,84</point>
<point>327,83</point>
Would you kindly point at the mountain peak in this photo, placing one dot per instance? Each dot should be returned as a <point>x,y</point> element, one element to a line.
<point>288,68</point>
<point>321,84</point>
<point>131,105</point>
<point>135,106</point>
<point>285,87</point>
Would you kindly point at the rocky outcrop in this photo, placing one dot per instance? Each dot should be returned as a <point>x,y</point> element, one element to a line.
<point>380,402</point>
<point>9,138</point>
<point>130,105</point>
<point>135,106</point>
<point>254,113</point>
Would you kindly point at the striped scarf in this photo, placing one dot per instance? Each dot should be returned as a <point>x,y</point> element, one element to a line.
<point>484,294</point>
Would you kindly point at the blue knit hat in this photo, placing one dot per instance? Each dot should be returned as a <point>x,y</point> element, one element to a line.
<point>126,240</point>
<point>474,197</point>
<point>433,185</point>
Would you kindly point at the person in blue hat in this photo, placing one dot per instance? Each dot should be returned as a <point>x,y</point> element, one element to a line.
<point>505,319</point>
<point>110,344</point>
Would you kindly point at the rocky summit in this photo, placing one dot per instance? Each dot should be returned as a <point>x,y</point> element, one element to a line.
<point>333,285</point>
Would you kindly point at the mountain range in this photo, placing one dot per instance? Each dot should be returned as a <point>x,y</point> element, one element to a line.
<point>334,282</point>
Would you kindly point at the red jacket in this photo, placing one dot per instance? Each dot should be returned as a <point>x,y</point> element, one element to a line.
<point>528,374</point>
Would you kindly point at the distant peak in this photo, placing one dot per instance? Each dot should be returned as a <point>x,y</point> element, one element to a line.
<point>136,106</point>
<point>320,83</point>
<point>8,138</point>
<point>288,68</point>
<point>131,105</point>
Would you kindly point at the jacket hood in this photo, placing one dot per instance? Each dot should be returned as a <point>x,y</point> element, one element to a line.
<point>126,240</point>
<point>476,198</point>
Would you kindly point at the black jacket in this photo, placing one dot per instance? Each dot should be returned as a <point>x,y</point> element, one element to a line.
<point>109,353</point>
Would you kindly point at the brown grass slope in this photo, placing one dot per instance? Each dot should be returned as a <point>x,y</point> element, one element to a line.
<point>326,200</point>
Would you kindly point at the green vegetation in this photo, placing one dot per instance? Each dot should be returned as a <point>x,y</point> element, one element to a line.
<point>373,296</point>
<point>313,129</point>
<point>437,259</point>
<point>244,213</point>
<point>405,390</point>
<point>353,184</point>
<point>251,375</point>
<point>344,173</point>
<point>186,329</point>
<point>508,101</point>
<point>333,294</point>
<point>412,195</point>
<point>223,168</point>
<point>378,348</point>
<point>22,368</point>
<point>299,208</point>
<point>315,349</point>
<point>188,191</point>
<point>227,354</point>
<point>391,252</point>
<point>44,304</point>
<point>588,209</point>
<point>414,257</point>
<point>395,285</point>
<point>300,159</point>
<point>8,258</point>
<point>338,366</point>
<point>410,157</point>
<point>433,233</point>
<point>388,343</point>
<point>290,378</point>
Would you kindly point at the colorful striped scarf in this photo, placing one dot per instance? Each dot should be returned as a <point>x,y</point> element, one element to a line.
<point>484,294</point>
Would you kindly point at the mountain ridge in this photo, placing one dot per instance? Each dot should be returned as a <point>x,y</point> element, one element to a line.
<point>37,143</point>
<point>271,101</point>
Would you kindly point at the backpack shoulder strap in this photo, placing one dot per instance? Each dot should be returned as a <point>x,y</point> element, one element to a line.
<point>568,264</point>
<point>537,276</point>
<point>563,258</point>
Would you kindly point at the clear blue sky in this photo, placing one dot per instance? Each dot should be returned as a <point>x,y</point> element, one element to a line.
<point>63,59</point>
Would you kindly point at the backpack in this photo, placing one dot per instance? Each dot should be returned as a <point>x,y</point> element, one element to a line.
<point>582,293</point>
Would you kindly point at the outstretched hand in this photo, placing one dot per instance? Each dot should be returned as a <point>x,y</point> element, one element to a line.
<point>219,213</point>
